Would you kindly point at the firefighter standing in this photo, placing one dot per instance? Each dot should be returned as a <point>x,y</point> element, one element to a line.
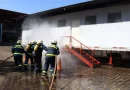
<point>28,55</point>
<point>38,55</point>
<point>32,47</point>
<point>52,51</point>
<point>18,51</point>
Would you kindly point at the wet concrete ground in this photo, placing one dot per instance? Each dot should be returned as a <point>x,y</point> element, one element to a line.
<point>75,75</point>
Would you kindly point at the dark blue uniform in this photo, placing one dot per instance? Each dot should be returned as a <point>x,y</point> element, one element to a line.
<point>32,47</point>
<point>18,51</point>
<point>38,56</point>
<point>28,56</point>
<point>52,51</point>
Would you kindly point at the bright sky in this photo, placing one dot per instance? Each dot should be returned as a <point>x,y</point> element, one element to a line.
<point>33,6</point>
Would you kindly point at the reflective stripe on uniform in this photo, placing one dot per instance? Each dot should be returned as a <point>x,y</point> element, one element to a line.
<point>18,53</point>
<point>51,70</point>
<point>18,46</point>
<point>20,65</point>
<point>29,53</point>
<point>44,71</point>
<point>50,55</point>
<point>53,46</point>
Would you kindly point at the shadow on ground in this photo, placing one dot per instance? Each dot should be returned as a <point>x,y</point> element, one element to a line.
<point>6,67</point>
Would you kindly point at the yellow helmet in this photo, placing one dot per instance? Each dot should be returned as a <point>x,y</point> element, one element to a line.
<point>40,41</point>
<point>30,43</point>
<point>34,42</point>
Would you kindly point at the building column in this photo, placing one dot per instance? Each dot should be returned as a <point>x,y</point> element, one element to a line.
<point>0,32</point>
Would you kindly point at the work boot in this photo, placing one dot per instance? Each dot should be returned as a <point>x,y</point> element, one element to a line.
<point>37,71</point>
<point>32,67</point>
<point>44,73</point>
<point>16,68</point>
<point>20,68</point>
<point>25,67</point>
<point>40,70</point>
<point>51,71</point>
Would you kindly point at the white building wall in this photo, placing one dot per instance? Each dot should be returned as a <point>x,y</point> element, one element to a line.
<point>101,15</point>
<point>101,26</point>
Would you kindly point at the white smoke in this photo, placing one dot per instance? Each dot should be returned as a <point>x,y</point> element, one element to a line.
<point>42,30</point>
<point>38,29</point>
<point>46,33</point>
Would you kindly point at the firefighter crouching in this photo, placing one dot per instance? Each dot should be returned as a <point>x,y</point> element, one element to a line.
<point>28,55</point>
<point>18,51</point>
<point>38,55</point>
<point>52,51</point>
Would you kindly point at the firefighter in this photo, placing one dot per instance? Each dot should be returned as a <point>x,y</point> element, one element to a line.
<point>28,55</point>
<point>39,47</point>
<point>32,47</point>
<point>18,51</point>
<point>52,51</point>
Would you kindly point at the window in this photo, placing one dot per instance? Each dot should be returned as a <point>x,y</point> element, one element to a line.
<point>61,23</point>
<point>114,17</point>
<point>90,20</point>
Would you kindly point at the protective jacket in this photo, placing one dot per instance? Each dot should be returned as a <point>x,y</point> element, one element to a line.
<point>52,50</point>
<point>39,48</point>
<point>18,49</point>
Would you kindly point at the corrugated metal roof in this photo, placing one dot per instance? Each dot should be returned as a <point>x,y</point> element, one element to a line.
<point>7,15</point>
<point>81,7</point>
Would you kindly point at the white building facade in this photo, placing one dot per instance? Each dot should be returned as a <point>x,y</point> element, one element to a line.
<point>106,28</point>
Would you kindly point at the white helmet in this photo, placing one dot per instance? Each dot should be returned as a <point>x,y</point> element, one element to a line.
<point>54,42</point>
<point>19,41</point>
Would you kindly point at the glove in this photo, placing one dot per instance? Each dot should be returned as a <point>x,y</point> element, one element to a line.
<point>33,54</point>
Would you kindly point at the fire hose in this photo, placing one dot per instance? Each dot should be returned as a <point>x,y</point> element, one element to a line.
<point>6,59</point>
<point>53,77</point>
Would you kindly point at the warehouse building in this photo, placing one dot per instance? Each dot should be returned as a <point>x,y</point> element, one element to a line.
<point>10,25</point>
<point>101,25</point>
<point>86,19</point>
